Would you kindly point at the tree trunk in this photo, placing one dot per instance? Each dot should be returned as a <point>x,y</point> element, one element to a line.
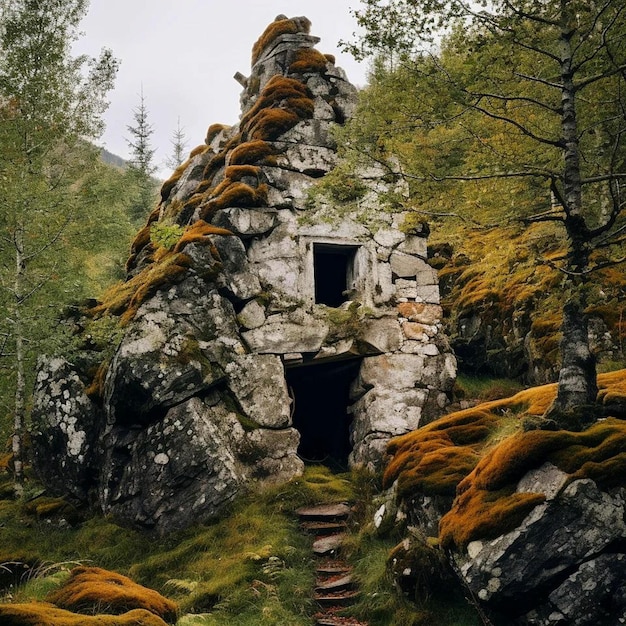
<point>19,417</point>
<point>577,390</point>
<point>577,376</point>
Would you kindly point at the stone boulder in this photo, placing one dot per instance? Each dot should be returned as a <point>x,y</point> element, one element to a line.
<point>65,429</point>
<point>564,564</point>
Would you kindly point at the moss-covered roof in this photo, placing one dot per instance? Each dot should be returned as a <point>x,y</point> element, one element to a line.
<point>231,177</point>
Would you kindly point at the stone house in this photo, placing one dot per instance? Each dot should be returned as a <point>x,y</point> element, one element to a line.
<point>276,329</point>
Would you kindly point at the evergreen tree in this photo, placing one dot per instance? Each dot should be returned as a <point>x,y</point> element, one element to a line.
<point>551,75</point>
<point>141,163</point>
<point>179,144</point>
<point>50,103</point>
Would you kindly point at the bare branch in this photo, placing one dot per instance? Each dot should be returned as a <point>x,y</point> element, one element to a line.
<point>520,127</point>
<point>454,215</point>
<point>541,81</point>
<point>521,174</point>
<point>594,79</point>
<point>528,100</point>
<point>546,216</point>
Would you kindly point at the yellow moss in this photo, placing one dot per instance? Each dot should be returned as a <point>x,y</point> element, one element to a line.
<point>45,614</point>
<point>43,507</point>
<point>308,60</point>
<point>89,588</point>
<point>274,30</point>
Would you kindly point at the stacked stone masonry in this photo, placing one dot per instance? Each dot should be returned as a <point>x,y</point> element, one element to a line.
<point>195,402</point>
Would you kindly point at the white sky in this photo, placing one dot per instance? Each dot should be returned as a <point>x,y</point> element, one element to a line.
<point>185,53</point>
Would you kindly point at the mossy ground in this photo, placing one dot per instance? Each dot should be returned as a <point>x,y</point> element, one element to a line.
<point>252,566</point>
<point>478,455</point>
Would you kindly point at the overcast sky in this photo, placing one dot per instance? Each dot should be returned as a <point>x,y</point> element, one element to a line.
<point>185,53</point>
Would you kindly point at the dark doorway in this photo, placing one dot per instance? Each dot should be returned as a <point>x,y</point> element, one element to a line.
<point>321,394</point>
<point>332,271</point>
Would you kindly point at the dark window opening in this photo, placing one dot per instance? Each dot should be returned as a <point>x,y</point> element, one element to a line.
<point>333,273</point>
<point>321,396</point>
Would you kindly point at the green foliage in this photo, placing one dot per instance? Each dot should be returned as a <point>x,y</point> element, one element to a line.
<point>165,235</point>
<point>50,103</point>
<point>484,388</point>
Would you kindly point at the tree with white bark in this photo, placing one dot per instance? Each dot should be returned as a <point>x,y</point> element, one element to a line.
<point>51,104</point>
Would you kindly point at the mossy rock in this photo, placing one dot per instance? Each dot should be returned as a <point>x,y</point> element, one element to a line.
<point>44,614</point>
<point>90,588</point>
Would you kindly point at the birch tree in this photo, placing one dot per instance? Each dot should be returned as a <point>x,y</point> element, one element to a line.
<point>565,101</point>
<point>50,105</point>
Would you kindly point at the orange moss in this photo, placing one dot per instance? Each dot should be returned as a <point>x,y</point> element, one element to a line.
<point>487,504</point>
<point>89,588</point>
<point>309,60</point>
<point>235,195</point>
<point>251,152</point>
<point>142,239</point>
<point>237,172</point>
<point>6,461</point>
<point>45,614</point>
<point>274,30</point>
<point>95,389</point>
<point>199,233</point>
<point>201,149</point>
<point>213,131</point>
<point>613,387</point>
<point>457,452</point>
<point>269,124</point>
<point>434,459</point>
<point>125,298</point>
<point>330,58</point>
<point>281,105</point>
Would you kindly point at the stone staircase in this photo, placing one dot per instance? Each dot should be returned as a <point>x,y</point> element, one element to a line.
<point>335,588</point>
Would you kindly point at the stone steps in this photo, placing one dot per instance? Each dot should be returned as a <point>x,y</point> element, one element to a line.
<point>335,587</point>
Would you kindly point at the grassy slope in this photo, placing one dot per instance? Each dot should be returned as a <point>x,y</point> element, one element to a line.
<point>252,566</point>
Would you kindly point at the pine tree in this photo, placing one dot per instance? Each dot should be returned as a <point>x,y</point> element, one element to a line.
<point>179,144</point>
<point>141,164</point>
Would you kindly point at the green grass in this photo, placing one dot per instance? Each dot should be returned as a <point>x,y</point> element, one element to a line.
<point>252,566</point>
<point>485,388</point>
